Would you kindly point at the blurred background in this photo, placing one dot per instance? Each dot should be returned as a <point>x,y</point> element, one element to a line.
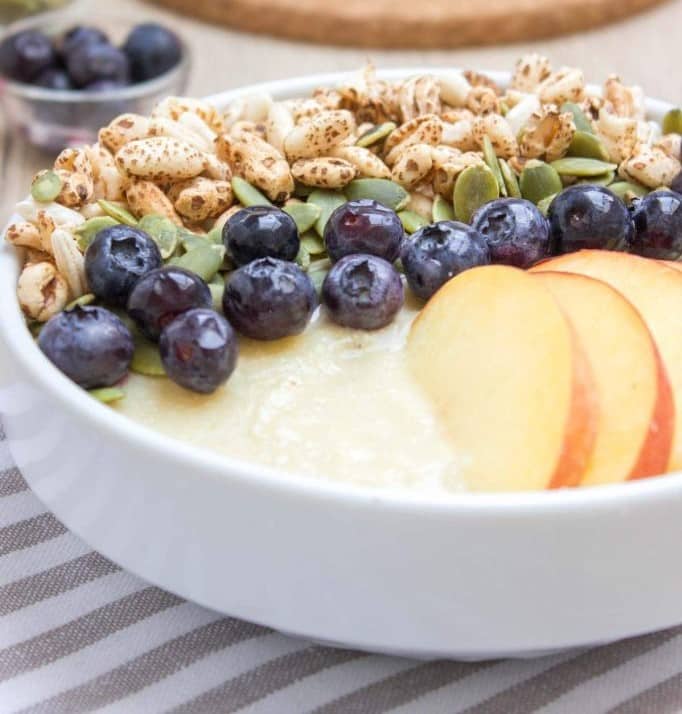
<point>642,48</point>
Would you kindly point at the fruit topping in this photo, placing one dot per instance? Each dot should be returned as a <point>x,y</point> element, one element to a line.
<point>587,216</point>
<point>651,287</point>
<point>504,370</point>
<point>199,350</point>
<point>90,345</point>
<point>515,231</point>
<point>364,226</point>
<point>438,252</point>
<point>658,225</point>
<point>160,296</point>
<point>116,259</point>
<point>261,232</point>
<point>268,299</point>
<point>362,291</point>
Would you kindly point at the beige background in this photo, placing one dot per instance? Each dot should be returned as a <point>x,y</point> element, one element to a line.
<point>645,49</point>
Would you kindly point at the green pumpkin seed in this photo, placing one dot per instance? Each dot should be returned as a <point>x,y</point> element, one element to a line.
<point>303,257</point>
<point>327,202</point>
<point>604,179</point>
<point>412,221</point>
<point>543,205</point>
<point>442,210</point>
<point>301,190</point>
<point>375,134</point>
<point>87,231</point>
<point>215,236</point>
<point>318,272</point>
<point>46,187</point>
<point>576,166</point>
<point>587,146</point>
<point>628,191</point>
<point>163,231</point>
<point>82,301</point>
<point>490,157</point>
<point>475,186</point>
<point>580,119</point>
<point>672,122</point>
<point>189,240</point>
<point>539,180</point>
<point>313,244</point>
<point>510,181</point>
<point>146,358</point>
<point>217,290</point>
<point>107,395</point>
<point>247,194</point>
<point>204,260</point>
<point>305,215</point>
<point>384,191</point>
<point>118,212</point>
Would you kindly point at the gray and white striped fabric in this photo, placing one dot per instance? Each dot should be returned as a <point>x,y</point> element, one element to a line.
<point>77,634</point>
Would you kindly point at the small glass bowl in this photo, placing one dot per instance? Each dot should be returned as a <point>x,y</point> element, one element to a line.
<point>52,119</point>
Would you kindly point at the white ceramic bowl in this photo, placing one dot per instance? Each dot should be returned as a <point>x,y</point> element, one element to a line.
<point>465,576</point>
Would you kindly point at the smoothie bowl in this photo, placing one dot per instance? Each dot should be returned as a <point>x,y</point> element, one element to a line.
<point>387,358</point>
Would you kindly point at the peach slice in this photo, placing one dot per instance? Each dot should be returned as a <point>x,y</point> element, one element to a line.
<point>506,373</point>
<point>656,292</point>
<point>635,427</point>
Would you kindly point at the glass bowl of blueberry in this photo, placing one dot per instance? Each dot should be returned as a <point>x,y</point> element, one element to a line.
<point>61,80</point>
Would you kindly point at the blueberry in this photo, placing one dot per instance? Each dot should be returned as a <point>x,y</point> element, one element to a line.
<point>81,35</point>
<point>261,232</point>
<point>89,344</point>
<point>515,231</point>
<point>160,296</point>
<point>199,350</point>
<point>364,226</point>
<point>25,55</point>
<point>587,216</point>
<point>363,291</point>
<point>152,50</point>
<point>116,259</point>
<point>90,63</point>
<point>54,78</point>
<point>658,225</point>
<point>268,299</point>
<point>438,252</point>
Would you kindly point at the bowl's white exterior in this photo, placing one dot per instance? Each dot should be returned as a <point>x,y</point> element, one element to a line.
<point>468,576</point>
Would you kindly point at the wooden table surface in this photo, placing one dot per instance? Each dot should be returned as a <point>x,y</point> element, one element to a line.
<point>643,50</point>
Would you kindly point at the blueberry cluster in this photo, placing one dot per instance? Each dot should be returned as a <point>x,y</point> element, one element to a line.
<point>84,58</point>
<point>268,296</point>
<point>581,217</point>
<point>168,304</point>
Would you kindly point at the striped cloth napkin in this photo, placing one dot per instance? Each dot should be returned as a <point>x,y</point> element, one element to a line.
<point>77,634</point>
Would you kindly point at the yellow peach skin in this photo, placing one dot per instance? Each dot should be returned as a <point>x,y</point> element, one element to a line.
<point>636,419</point>
<point>655,290</point>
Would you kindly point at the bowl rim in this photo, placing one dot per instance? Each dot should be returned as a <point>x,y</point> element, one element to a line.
<point>20,347</point>
<point>65,96</point>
